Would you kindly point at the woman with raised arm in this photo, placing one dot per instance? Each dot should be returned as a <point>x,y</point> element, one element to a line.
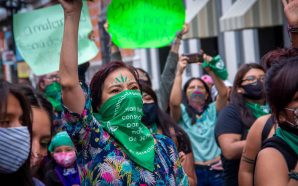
<point>114,146</point>
<point>196,113</point>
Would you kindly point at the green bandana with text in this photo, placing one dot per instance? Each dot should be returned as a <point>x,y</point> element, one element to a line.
<point>257,109</point>
<point>217,66</point>
<point>121,117</point>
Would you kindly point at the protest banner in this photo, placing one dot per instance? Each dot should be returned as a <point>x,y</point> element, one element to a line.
<point>38,36</point>
<point>145,23</point>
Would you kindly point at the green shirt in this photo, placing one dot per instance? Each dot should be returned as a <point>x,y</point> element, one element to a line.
<point>201,134</point>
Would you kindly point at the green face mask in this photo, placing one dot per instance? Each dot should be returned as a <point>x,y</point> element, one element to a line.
<point>53,94</point>
<point>121,117</point>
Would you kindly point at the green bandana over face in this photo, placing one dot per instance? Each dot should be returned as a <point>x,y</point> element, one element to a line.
<point>121,117</point>
<point>257,109</point>
<point>290,138</point>
<point>53,94</point>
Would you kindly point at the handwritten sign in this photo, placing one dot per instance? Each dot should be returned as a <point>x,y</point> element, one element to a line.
<point>38,36</point>
<point>145,23</point>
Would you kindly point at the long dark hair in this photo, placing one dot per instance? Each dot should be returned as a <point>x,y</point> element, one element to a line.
<point>98,79</point>
<point>236,98</point>
<point>190,111</point>
<point>274,56</point>
<point>37,100</point>
<point>22,175</point>
<point>281,84</point>
<point>148,82</point>
<point>166,122</point>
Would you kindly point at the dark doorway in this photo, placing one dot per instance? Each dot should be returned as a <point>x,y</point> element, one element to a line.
<point>270,38</point>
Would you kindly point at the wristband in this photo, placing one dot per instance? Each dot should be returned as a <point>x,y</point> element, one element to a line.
<point>179,36</point>
<point>292,29</point>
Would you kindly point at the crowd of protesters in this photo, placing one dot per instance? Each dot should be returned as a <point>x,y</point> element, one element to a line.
<point>118,131</point>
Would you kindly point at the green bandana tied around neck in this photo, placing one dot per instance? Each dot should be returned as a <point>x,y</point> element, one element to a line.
<point>290,138</point>
<point>121,117</point>
<point>257,109</point>
<point>217,66</point>
<point>53,94</point>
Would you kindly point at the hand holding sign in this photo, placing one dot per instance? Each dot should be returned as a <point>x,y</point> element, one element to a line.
<point>38,36</point>
<point>143,23</point>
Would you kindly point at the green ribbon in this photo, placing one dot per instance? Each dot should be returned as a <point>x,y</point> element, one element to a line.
<point>121,117</point>
<point>257,109</point>
<point>217,66</point>
<point>53,94</point>
<point>290,138</point>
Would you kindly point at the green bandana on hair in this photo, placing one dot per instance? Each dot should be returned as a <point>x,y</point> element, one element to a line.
<point>121,117</point>
<point>60,139</point>
<point>217,66</point>
<point>257,109</point>
<point>53,94</point>
<point>290,138</point>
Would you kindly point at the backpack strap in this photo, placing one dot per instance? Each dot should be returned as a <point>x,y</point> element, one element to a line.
<point>267,128</point>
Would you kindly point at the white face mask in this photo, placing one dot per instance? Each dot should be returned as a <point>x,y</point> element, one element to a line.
<point>14,148</point>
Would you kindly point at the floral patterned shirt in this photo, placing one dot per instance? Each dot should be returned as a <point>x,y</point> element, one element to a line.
<point>102,161</point>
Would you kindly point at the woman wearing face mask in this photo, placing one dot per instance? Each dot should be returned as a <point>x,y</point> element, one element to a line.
<point>62,169</point>
<point>42,113</point>
<point>114,147</point>
<point>196,114</point>
<point>49,86</point>
<point>15,136</point>
<point>264,127</point>
<point>246,105</point>
<point>277,162</point>
<point>160,122</point>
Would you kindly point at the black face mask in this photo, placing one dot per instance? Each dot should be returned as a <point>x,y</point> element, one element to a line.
<point>150,113</point>
<point>254,91</point>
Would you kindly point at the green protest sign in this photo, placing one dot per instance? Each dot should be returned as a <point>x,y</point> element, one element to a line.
<point>38,36</point>
<point>145,23</point>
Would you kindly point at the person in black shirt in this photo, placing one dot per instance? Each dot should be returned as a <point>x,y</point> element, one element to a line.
<point>277,162</point>
<point>247,104</point>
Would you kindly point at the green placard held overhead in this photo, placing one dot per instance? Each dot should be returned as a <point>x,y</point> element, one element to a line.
<point>145,23</point>
<point>38,36</point>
